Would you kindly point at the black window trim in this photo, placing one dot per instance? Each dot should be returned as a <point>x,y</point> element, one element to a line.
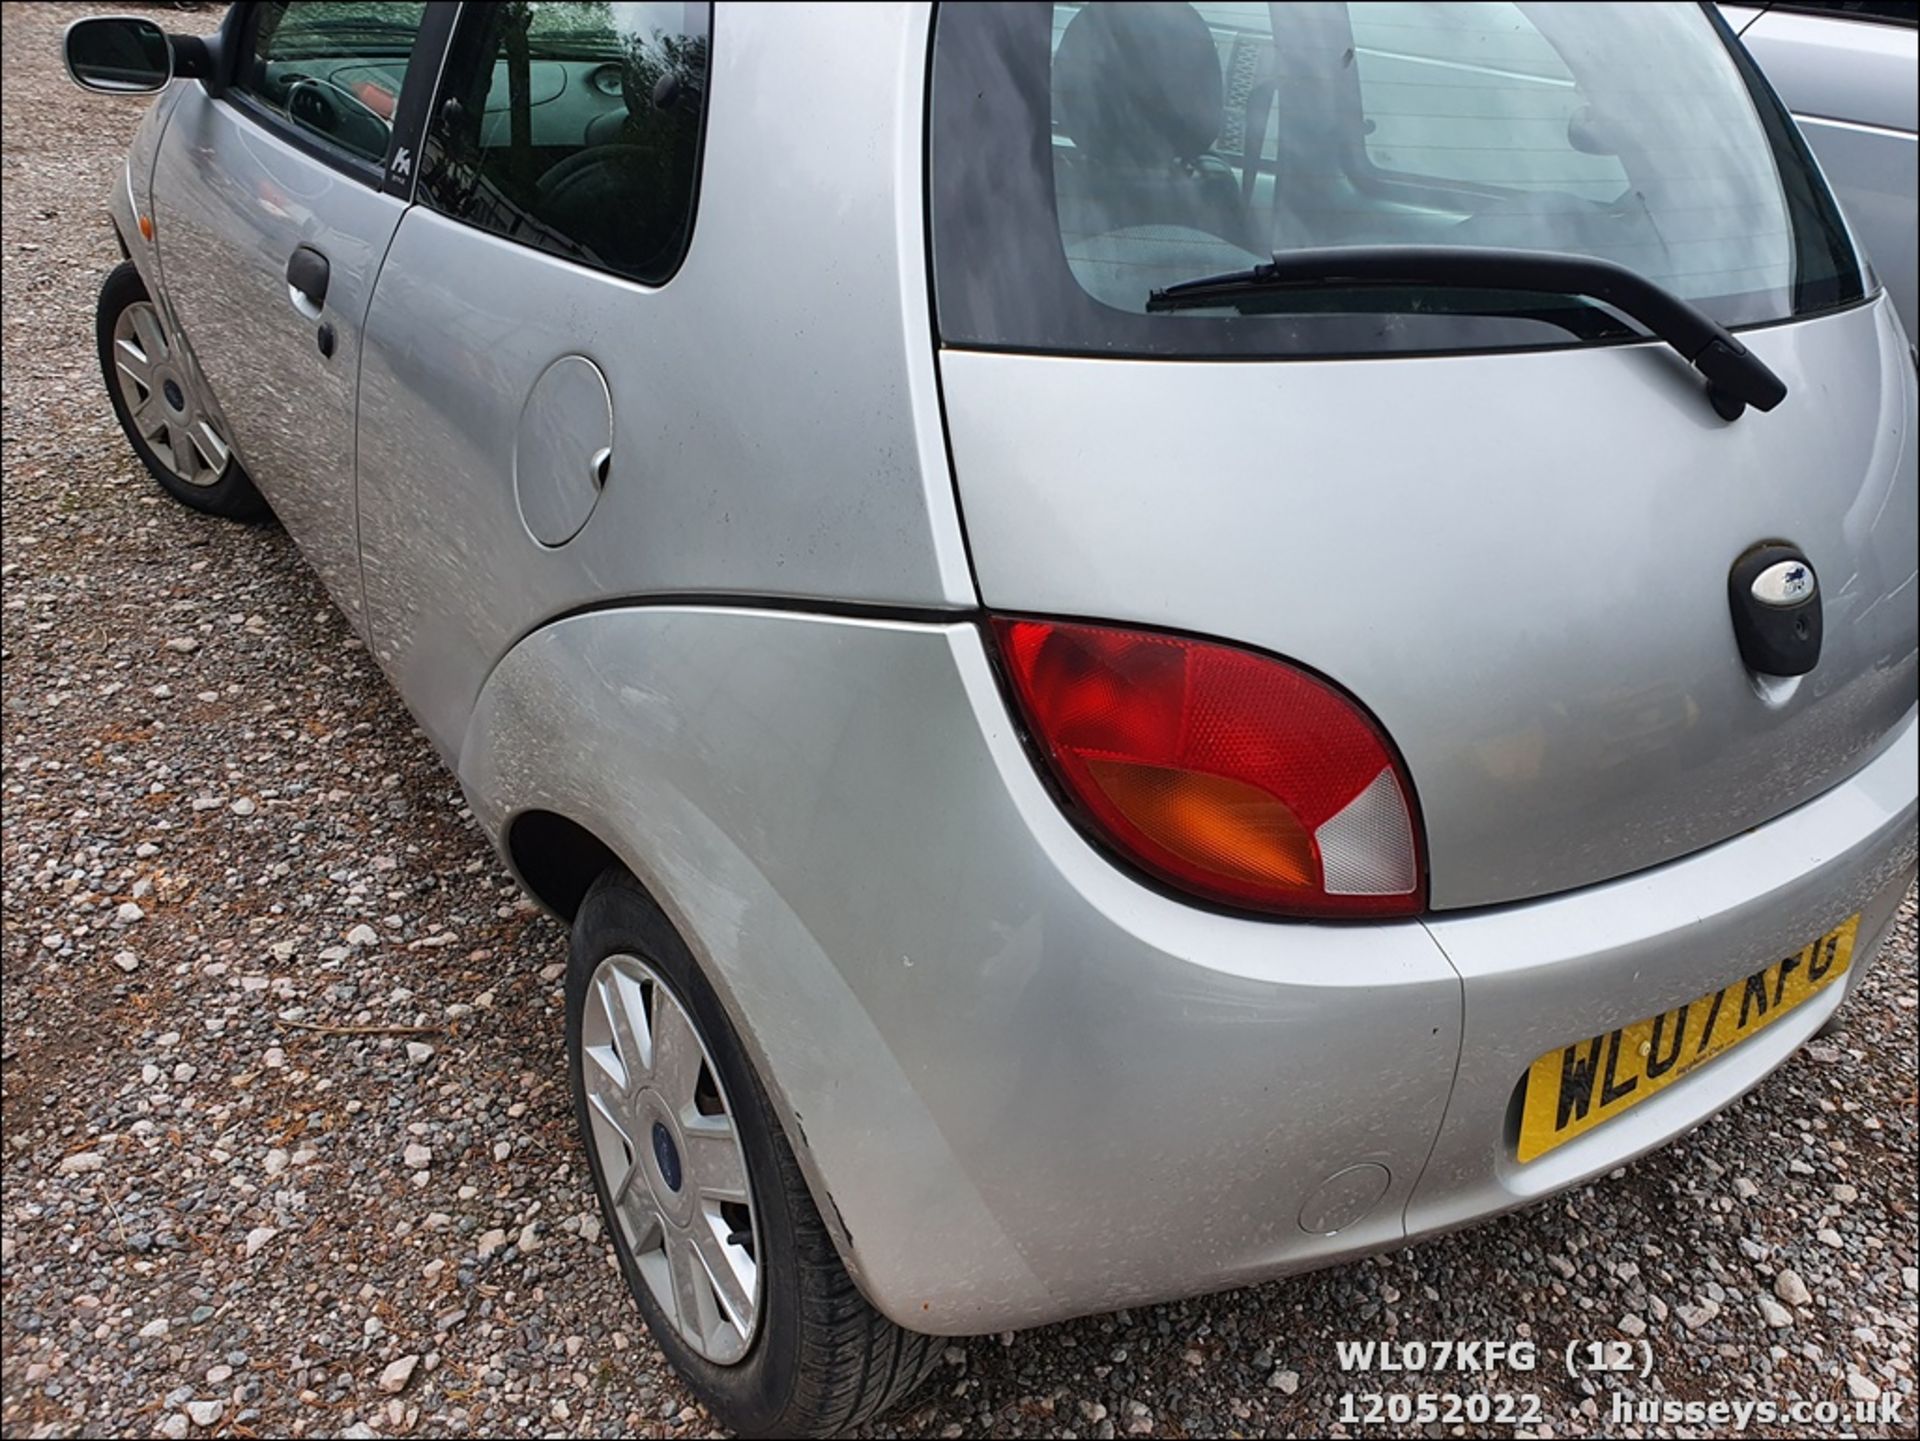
<point>456,26</point>
<point>1860,288</point>
<point>1819,11</point>
<point>417,87</point>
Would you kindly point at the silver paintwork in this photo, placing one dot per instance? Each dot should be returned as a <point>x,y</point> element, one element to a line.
<point>127,202</point>
<point>977,1030</point>
<point>1538,976</point>
<point>563,449</point>
<point>1021,1084</point>
<point>1854,87</point>
<point>140,158</point>
<point>232,201</point>
<point>642,1066</point>
<point>1585,714</point>
<point>160,400</point>
<point>1093,1095</point>
<point>775,411</point>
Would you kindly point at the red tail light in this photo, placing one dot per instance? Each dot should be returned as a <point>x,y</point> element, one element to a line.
<point>1229,774</point>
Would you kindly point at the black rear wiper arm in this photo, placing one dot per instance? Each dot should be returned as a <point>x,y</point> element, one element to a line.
<point>1736,378</point>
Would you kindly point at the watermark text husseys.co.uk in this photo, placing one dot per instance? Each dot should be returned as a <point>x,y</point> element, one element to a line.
<point>1625,1410</point>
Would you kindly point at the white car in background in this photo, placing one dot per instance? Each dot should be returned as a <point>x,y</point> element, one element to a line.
<point>1849,72</point>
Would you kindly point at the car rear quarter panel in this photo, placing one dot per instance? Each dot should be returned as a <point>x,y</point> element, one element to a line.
<point>776,428</point>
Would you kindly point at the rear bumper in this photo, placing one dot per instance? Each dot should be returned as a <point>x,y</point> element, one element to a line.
<point>1547,974</point>
<point>1024,1086</point>
<point>1233,1100</point>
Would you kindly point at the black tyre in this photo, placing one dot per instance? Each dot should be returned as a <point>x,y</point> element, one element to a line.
<point>143,368</point>
<point>724,1252</point>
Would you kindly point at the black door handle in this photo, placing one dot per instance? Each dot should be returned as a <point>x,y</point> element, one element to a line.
<point>307,273</point>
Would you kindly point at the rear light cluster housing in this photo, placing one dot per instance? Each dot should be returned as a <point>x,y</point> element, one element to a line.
<point>1227,774</point>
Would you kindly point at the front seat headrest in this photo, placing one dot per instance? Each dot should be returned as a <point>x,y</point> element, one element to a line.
<point>1139,82</point>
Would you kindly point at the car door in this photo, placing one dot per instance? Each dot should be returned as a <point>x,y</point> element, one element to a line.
<point>1847,70</point>
<point>276,193</point>
<point>520,395</point>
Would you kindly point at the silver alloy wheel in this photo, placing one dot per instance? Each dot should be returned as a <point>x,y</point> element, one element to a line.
<point>664,1138</point>
<point>161,403</point>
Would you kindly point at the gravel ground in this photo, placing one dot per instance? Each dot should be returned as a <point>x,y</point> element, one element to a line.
<point>221,831</point>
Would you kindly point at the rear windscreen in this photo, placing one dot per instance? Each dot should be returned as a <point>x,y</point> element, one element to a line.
<point>1083,156</point>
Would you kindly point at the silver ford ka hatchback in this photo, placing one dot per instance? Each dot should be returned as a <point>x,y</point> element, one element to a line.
<point>1148,645</point>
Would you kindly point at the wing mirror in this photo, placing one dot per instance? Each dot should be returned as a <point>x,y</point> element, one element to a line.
<point>130,55</point>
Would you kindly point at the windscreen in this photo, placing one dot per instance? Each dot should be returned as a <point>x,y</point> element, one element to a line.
<point>1084,155</point>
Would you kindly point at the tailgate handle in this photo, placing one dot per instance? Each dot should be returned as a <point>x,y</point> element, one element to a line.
<point>1776,610</point>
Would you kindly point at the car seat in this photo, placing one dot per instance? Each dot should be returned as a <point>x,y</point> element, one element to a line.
<point>1137,88</point>
<point>600,196</point>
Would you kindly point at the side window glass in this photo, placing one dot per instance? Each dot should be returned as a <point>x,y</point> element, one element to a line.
<point>333,70</point>
<point>574,128</point>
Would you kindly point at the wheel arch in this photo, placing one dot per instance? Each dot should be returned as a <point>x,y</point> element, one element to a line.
<point>708,750</point>
<point>532,765</point>
<point>556,859</point>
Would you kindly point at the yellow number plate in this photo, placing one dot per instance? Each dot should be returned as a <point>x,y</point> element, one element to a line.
<point>1574,1089</point>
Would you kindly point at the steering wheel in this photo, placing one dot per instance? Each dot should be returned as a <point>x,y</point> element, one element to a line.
<point>340,115</point>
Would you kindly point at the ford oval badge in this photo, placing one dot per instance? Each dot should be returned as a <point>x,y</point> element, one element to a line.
<point>1784,583</point>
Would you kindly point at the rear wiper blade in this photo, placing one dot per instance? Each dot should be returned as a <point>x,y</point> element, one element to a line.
<point>1736,378</point>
